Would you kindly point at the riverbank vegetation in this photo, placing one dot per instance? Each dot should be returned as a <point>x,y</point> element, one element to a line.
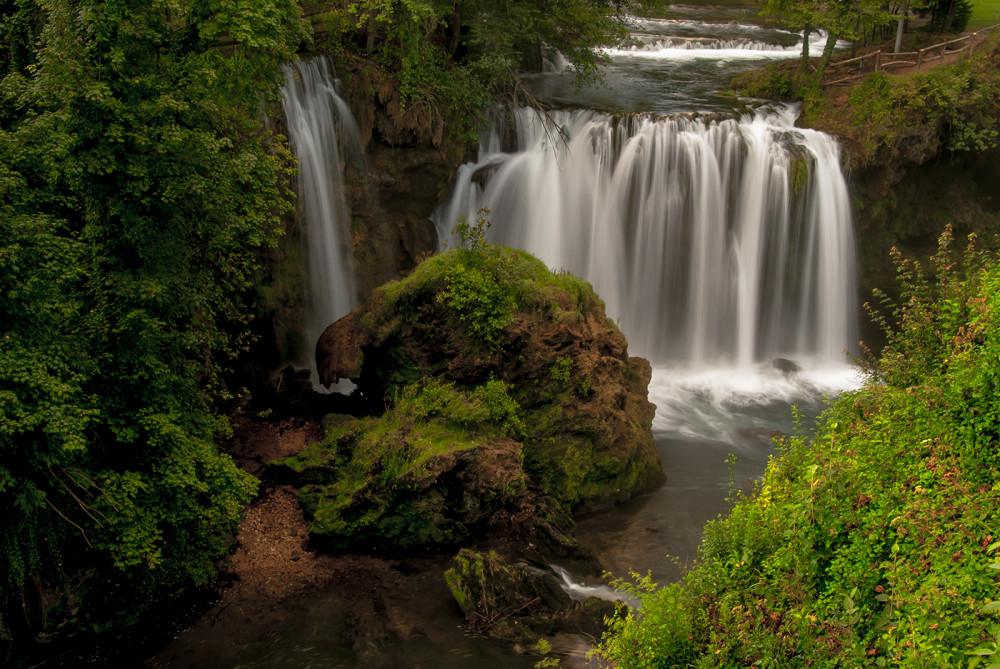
<point>874,542</point>
<point>139,186</point>
<point>952,106</point>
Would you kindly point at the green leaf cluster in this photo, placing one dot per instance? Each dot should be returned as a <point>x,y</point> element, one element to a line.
<point>874,542</point>
<point>855,20</point>
<point>138,188</point>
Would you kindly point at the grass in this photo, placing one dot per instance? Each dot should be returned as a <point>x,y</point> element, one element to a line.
<point>984,13</point>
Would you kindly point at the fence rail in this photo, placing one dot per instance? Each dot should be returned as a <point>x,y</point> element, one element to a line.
<point>852,69</point>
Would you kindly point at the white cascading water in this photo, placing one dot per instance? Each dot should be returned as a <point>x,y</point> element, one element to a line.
<point>744,46</point>
<point>319,124</point>
<point>717,245</point>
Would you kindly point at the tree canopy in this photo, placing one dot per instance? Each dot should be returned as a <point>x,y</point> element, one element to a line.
<point>457,53</point>
<point>839,19</point>
<point>138,185</point>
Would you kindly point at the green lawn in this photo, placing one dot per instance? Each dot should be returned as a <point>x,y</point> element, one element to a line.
<point>984,13</point>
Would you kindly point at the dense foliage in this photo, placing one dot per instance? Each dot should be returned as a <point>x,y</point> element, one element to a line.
<point>138,185</point>
<point>962,99</point>
<point>874,543</point>
<point>454,55</point>
<point>959,104</point>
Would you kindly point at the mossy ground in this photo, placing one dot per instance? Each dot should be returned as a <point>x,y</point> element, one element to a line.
<point>392,481</point>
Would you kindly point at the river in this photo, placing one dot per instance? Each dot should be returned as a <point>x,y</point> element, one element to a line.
<point>724,250</point>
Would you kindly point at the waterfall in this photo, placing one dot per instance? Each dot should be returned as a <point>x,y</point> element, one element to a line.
<point>712,242</point>
<point>319,124</point>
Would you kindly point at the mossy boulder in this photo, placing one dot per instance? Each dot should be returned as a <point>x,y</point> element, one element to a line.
<point>484,313</point>
<point>431,472</point>
<point>518,602</point>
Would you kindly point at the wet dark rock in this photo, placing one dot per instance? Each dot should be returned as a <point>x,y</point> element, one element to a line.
<point>517,603</point>
<point>785,365</point>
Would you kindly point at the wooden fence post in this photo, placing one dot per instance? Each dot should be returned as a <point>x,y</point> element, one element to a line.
<point>877,53</point>
<point>920,58</point>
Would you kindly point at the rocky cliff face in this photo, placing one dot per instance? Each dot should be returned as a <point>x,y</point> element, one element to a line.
<point>412,157</point>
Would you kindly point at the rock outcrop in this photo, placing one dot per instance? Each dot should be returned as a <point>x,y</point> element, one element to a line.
<point>471,316</point>
<point>519,603</point>
<point>423,475</point>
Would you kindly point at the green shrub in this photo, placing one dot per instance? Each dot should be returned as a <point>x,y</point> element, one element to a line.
<point>483,303</point>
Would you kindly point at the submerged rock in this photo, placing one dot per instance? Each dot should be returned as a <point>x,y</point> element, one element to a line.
<point>786,366</point>
<point>519,603</point>
<point>467,317</point>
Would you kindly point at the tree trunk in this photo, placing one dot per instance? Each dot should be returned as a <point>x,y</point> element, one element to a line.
<point>951,15</point>
<point>805,47</point>
<point>902,23</point>
<point>831,42</point>
<point>457,28</point>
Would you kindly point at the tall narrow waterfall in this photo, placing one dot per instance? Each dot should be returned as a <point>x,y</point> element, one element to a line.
<point>712,242</point>
<point>319,124</point>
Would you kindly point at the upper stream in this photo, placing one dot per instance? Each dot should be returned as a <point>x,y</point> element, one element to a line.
<point>679,63</point>
<point>722,245</point>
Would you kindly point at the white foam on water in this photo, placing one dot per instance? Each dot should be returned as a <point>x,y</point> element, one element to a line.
<point>580,592</point>
<point>717,402</point>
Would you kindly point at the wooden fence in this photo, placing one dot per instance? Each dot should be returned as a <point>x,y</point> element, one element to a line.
<point>852,69</point>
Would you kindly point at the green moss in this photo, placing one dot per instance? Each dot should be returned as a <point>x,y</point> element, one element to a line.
<point>512,336</point>
<point>799,175</point>
<point>380,481</point>
<point>561,370</point>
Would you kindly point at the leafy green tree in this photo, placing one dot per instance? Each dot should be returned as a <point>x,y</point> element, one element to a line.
<point>138,185</point>
<point>804,15</point>
<point>947,15</point>
<point>456,53</point>
<point>840,19</point>
<point>851,20</point>
<point>20,23</point>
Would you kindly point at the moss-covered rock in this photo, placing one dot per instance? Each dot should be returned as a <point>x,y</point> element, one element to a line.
<point>432,471</point>
<point>488,312</point>
<point>516,602</point>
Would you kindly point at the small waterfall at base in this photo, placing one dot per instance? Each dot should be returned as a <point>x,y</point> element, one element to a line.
<point>719,247</point>
<point>319,124</point>
<point>713,242</point>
